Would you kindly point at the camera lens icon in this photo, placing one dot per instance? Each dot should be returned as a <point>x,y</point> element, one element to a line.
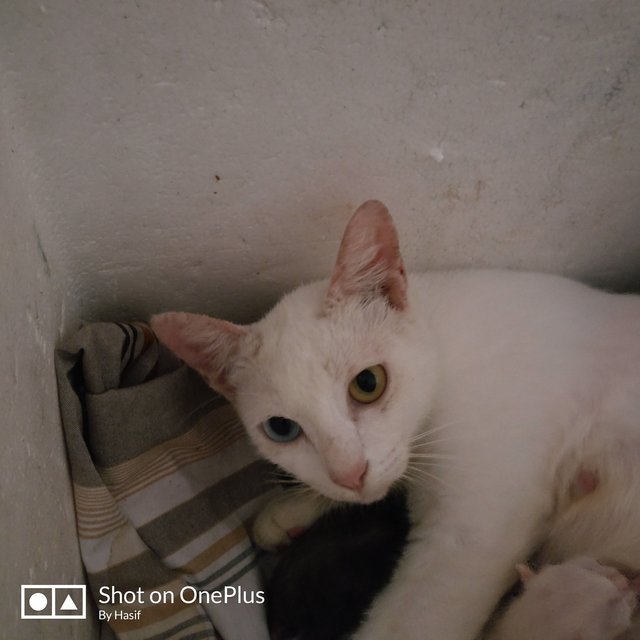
<point>38,601</point>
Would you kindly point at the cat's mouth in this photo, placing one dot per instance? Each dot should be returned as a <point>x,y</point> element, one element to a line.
<point>377,482</point>
<point>364,495</point>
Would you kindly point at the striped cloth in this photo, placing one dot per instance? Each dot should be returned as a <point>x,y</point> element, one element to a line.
<point>165,483</point>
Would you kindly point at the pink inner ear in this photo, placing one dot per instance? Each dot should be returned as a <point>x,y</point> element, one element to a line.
<point>369,259</point>
<point>206,344</point>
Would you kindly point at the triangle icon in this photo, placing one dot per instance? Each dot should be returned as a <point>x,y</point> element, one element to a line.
<point>68,605</point>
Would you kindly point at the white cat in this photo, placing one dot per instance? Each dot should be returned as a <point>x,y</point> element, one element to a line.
<point>487,390</point>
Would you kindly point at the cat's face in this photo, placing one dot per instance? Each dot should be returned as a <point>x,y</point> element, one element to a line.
<point>346,379</point>
<point>328,384</point>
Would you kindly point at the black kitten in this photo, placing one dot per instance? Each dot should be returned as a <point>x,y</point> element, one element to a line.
<point>326,580</point>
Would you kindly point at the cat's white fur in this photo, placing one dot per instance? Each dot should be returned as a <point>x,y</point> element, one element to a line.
<point>517,380</point>
<point>579,599</point>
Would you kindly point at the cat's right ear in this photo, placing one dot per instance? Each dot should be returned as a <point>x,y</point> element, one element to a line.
<point>369,262</point>
<point>207,345</point>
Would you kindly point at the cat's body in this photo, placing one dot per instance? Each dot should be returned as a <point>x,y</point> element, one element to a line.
<point>326,579</point>
<point>516,381</point>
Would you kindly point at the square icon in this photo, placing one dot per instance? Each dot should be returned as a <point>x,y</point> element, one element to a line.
<point>54,601</point>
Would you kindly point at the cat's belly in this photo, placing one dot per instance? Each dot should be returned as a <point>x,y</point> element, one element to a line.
<point>603,521</point>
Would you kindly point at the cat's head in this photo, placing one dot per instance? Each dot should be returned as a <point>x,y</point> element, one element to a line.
<point>333,383</point>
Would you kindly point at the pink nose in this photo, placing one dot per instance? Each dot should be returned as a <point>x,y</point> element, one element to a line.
<point>353,478</point>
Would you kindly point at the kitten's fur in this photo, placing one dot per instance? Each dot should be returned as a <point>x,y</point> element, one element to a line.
<point>516,380</point>
<point>327,578</point>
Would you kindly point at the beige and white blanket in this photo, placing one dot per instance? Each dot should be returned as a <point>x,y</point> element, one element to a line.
<point>165,482</point>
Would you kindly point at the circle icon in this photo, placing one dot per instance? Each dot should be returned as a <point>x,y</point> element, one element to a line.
<point>38,601</point>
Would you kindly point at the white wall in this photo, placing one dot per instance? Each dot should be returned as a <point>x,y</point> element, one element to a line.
<point>500,133</point>
<point>37,523</point>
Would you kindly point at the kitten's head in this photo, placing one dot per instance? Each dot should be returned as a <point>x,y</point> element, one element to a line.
<point>332,384</point>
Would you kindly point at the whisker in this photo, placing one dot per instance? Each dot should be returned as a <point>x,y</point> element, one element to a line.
<point>428,443</point>
<point>441,427</point>
<point>425,474</point>
<point>303,492</point>
<point>424,464</point>
<point>433,455</point>
<point>285,483</point>
<point>297,484</point>
<point>293,490</point>
<point>283,477</point>
<point>410,479</point>
<point>308,492</point>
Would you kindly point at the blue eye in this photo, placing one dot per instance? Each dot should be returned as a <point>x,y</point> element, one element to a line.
<point>281,429</point>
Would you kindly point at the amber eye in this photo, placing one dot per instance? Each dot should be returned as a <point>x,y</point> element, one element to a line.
<point>369,384</point>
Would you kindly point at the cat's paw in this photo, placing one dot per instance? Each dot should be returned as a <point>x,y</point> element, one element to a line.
<point>614,599</point>
<point>596,602</point>
<point>286,517</point>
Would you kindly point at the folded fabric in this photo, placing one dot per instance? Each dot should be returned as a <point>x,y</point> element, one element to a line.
<point>165,482</point>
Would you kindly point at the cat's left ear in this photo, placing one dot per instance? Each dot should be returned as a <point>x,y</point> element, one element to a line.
<point>369,261</point>
<point>208,345</point>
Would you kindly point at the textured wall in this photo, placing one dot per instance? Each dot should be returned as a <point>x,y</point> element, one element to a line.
<point>500,133</point>
<point>205,155</point>
<point>37,523</point>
